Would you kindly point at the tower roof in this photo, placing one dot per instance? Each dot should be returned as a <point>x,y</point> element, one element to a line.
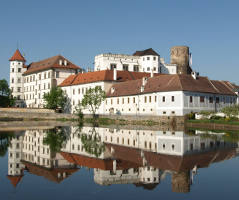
<point>15,179</point>
<point>17,56</point>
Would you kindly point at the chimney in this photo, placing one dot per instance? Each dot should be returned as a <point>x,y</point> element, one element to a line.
<point>151,73</point>
<point>114,74</point>
<point>195,74</point>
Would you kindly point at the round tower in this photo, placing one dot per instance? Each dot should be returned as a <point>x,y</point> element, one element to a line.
<point>180,57</point>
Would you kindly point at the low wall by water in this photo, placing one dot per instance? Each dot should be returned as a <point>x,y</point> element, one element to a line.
<point>213,126</point>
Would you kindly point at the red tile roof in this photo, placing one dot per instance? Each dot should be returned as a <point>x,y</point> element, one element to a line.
<point>164,83</point>
<point>105,75</point>
<point>50,63</point>
<point>17,56</point>
<point>15,179</point>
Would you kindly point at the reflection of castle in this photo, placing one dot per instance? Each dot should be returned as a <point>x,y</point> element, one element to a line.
<point>139,157</point>
<point>27,152</point>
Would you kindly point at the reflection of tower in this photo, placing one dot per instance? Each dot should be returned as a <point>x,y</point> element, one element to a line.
<point>181,182</point>
<point>15,168</point>
<point>180,56</point>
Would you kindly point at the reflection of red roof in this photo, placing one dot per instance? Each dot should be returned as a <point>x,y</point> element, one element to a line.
<point>104,75</point>
<point>50,63</point>
<point>51,173</point>
<point>171,162</point>
<point>15,179</point>
<point>104,164</point>
<point>17,56</point>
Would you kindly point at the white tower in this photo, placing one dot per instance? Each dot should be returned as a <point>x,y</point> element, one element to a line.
<point>17,68</point>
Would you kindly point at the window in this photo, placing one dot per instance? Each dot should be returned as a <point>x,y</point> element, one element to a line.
<point>202,99</point>
<point>155,98</point>
<point>12,80</point>
<point>128,100</point>
<point>79,91</point>
<point>190,99</point>
<point>210,99</point>
<point>112,66</point>
<point>49,74</point>
<point>172,98</point>
<point>49,85</point>
<point>45,75</point>
<point>148,58</point>
<point>12,69</point>
<point>73,91</point>
<point>19,80</point>
<point>136,68</point>
<point>145,99</point>
<point>125,67</point>
<point>57,74</point>
<point>163,98</point>
<point>217,99</point>
<point>117,100</point>
<point>19,89</point>
<point>154,68</point>
<point>154,58</point>
<point>191,147</point>
<point>38,77</point>
<point>173,112</point>
<point>148,69</point>
<point>111,101</point>
<point>122,100</point>
<point>164,112</point>
<point>133,99</point>
<point>149,99</point>
<point>19,69</point>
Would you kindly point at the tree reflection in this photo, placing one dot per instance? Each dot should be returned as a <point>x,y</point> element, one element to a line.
<point>92,142</point>
<point>5,138</point>
<point>55,138</point>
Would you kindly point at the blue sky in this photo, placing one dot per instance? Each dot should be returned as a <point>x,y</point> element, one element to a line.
<point>80,29</point>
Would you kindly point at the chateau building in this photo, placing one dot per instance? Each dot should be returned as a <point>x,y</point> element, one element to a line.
<point>138,84</point>
<point>30,82</point>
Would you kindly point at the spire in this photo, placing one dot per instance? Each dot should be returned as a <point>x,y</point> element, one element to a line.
<point>15,179</point>
<point>17,56</point>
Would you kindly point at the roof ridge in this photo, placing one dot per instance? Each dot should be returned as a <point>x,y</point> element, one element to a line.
<point>181,86</point>
<point>212,84</point>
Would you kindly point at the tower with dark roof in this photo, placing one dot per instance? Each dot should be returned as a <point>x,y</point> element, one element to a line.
<point>17,68</point>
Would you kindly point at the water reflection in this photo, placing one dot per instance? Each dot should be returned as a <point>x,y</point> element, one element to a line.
<point>117,156</point>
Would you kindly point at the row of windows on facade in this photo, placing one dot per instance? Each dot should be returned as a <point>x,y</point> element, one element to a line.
<point>81,90</point>
<point>147,145</point>
<point>41,76</point>
<point>128,100</point>
<point>32,88</point>
<point>32,96</point>
<point>211,99</point>
<point>135,68</point>
<point>41,161</point>
<point>19,70</point>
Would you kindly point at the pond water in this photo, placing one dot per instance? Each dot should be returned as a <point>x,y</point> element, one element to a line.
<point>118,163</point>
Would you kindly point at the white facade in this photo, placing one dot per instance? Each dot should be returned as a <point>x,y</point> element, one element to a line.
<point>39,83</point>
<point>16,80</point>
<point>147,63</point>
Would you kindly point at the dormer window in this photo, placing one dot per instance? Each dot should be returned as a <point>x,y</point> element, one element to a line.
<point>112,90</point>
<point>65,62</point>
<point>60,62</point>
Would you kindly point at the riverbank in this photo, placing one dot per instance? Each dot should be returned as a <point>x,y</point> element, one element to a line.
<point>44,115</point>
<point>213,124</point>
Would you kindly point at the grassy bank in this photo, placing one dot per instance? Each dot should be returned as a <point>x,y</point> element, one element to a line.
<point>215,121</point>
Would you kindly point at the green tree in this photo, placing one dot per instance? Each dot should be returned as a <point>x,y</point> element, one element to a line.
<point>55,99</point>
<point>5,140</point>
<point>93,99</point>
<point>55,139</point>
<point>6,98</point>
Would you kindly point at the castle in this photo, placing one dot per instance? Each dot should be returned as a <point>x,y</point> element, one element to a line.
<point>138,84</point>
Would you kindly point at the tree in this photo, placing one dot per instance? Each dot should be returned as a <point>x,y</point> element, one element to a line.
<point>93,99</point>
<point>4,89</point>
<point>6,98</point>
<point>55,99</point>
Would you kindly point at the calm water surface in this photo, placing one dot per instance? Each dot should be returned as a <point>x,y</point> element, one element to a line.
<point>105,163</point>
